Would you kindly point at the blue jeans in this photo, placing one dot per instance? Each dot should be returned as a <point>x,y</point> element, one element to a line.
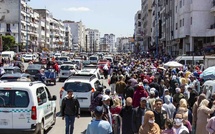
<point>69,120</point>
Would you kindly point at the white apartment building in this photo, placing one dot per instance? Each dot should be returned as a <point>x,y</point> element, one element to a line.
<point>57,34</point>
<point>122,44</point>
<point>45,18</point>
<point>194,26</point>
<point>146,18</point>
<point>107,43</point>
<point>138,29</point>
<point>78,34</point>
<point>94,39</point>
<point>68,37</point>
<point>21,22</point>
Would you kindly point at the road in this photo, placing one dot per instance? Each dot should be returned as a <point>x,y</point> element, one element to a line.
<point>80,124</point>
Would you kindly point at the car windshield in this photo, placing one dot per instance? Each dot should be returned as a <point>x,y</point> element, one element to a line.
<point>5,55</point>
<point>78,87</point>
<point>28,56</point>
<point>14,98</point>
<point>34,67</point>
<point>63,59</point>
<point>93,58</point>
<point>66,67</point>
<point>8,71</point>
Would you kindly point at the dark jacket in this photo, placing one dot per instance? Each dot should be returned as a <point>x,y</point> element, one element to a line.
<point>160,118</point>
<point>96,100</point>
<point>126,114</point>
<point>70,107</point>
<point>137,118</point>
<point>129,92</point>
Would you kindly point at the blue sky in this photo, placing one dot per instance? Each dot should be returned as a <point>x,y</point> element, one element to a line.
<point>108,16</point>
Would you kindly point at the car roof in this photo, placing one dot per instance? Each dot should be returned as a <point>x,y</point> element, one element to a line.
<point>10,67</point>
<point>23,85</point>
<point>15,75</point>
<point>34,66</point>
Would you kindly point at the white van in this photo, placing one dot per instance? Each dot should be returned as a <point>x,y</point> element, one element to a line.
<point>188,60</point>
<point>8,54</point>
<point>209,88</point>
<point>94,59</point>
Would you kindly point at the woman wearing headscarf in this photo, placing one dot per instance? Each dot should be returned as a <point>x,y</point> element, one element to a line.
<point>149,126</point>
<point>203,113</point>
<point>187,114</point>
<point>195,108</point>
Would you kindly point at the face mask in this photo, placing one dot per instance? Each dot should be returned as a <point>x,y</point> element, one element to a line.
<point>178,122</point>
<point>151,121</point>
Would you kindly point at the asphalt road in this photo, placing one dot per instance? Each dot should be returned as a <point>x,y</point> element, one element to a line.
<point>80,124</point>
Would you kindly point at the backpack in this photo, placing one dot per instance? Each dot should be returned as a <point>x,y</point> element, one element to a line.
<point>95,101</point>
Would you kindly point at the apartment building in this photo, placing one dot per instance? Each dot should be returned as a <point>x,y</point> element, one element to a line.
<point>20,21</point>
<point>107,43</point>
<point>78,34</point>
<point>123,44</point>
<point>68,38</point>
<point>94,39</point>
<point>146,11</point>
<point>138,29</point>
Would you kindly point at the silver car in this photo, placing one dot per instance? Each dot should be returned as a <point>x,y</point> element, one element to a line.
<point>67,70</point>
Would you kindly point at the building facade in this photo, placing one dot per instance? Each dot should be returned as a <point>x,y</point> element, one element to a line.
<point>94,39</point>
<point>107,43</point>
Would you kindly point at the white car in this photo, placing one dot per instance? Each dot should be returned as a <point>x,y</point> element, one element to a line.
<point>65,71</point>
<point>90,72</point>
<point>29,57</point>
<point>83,87</point>
<point>26,107</point>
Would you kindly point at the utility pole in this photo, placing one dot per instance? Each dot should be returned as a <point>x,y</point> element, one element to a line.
<point>86,43</point>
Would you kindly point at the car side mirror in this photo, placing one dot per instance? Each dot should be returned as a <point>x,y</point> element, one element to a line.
<point>54,97</point>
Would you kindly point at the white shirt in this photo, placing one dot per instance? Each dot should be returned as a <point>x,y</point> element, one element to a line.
<point>180,129</point>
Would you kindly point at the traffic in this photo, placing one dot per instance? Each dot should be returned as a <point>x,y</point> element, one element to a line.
<point>127,93</point>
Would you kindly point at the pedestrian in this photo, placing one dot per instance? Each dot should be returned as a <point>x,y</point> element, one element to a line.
<point>168,127</point>
<point>129,90</point>
<point>126,114</point>
<point>210,127</point>
<point>179,127</point>
<point>177,97</point>
<point>120,88</point>
<point>160,115</point>
<point>70,109</point>
<point>193,96</point>
<point>138,115</point>
<point>195,108</point>
<point>112,83</point>
<point>202,116</point>
<point>106,105</point>
<point>138,94</point>
<point>99,126</point>
<point>169,107</point>
<point>149,126</point>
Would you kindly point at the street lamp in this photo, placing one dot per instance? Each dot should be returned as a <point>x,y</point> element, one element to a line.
<point>26,25</point>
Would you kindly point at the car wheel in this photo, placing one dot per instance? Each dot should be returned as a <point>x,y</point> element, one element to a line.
<point>42,130</point>
<point>60,80</point>
<point>54,82</point>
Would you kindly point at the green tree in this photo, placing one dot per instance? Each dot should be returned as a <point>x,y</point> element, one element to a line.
<point>8,42</point>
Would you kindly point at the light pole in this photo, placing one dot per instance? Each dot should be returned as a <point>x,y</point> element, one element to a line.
<point>26,24</point>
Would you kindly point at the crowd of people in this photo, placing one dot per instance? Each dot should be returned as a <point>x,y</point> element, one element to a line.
<point>150,99</point>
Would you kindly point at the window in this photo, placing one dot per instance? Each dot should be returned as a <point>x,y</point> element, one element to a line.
<point>191,20</point>
<point>8,27</point>
<point>41,96</point>
<point>176,9</point>
<point>78,86</point>
<point>14,98</point>
<point>180,23</point>
<point>180,3</point>
<point>183,22</point>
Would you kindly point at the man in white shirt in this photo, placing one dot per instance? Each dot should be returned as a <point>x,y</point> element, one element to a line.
<point>179,127</point>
